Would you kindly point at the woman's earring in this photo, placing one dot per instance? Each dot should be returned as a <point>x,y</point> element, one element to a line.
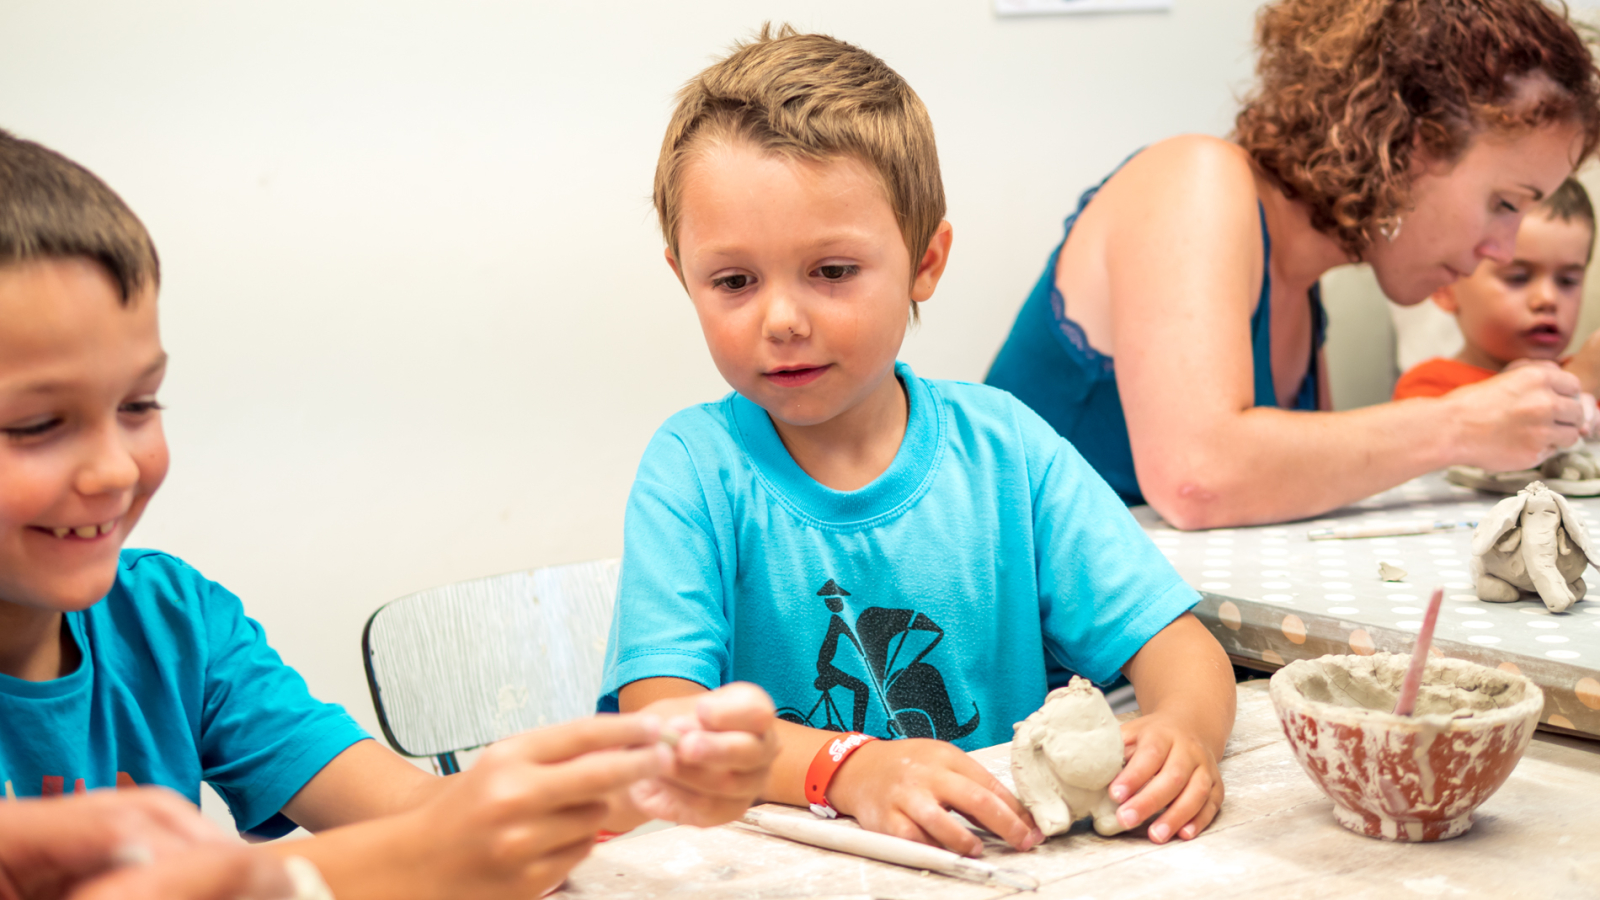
<point>1391,229</point>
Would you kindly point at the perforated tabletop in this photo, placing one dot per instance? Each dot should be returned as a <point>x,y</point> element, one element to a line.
<point>1272,595</point>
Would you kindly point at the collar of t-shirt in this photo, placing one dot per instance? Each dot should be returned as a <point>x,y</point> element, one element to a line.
<point>899,486</point>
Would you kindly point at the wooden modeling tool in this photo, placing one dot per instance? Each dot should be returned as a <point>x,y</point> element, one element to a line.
<point>885,848</point>
<point>1419,657</point>
<point>1346,532</point>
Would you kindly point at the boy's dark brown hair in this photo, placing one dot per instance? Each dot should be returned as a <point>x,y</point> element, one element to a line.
<point>53,208</point>
<point>1350,91</point>
<point>812,97</point>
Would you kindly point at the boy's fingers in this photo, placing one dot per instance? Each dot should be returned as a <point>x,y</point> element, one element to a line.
<point>588,778</point>
<point>1188,805</point>
<point>548,834</point>
<point>563,742</point>
<point>1148,756</point>
<point>986,805</point>
<point>944,829</point>
<point>544,873</point>
<point>209,873</point>
<point>740,706</point>
<point>1198,824</point>
<point>1156,793</point>
<point>737,751</point>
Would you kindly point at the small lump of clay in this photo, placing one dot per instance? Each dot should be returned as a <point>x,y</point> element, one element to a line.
<point>1387,572</point>
<point>1065,755</point>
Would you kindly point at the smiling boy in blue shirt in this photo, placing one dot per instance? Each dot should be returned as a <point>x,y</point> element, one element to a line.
<point>884,554</point>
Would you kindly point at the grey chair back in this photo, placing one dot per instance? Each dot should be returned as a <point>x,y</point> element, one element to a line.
<point>460,666</point>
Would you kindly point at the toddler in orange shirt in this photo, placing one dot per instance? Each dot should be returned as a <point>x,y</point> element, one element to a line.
<point>1524,310</point>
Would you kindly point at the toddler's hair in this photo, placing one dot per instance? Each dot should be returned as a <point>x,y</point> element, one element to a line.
<point>812,97</point>
<point>1570,201</point>
<point>1350,90</point>
<point>52,208</point>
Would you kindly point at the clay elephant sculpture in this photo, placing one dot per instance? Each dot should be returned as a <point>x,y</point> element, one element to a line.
<point>1531,543</point>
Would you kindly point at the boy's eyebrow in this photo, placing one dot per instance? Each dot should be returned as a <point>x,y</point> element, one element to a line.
<point>1538,195</point>
<point>53,385</point>
<point>841,236</point>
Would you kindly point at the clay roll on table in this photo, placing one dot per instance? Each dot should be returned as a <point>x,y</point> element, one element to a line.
<point>1272,595</point>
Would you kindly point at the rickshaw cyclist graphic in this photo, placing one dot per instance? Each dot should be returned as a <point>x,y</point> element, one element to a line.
<point>891,645</point>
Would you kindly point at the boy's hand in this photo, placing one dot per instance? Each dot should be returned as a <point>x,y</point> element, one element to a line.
<point>725,751</point>
<point>49,845</point>
<point>1167,767</point>
<point>215,872</point>
<point>907,787</point>
<point>514,824</point>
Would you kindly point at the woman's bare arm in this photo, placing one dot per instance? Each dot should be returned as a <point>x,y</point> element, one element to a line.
<point>1182,249</point>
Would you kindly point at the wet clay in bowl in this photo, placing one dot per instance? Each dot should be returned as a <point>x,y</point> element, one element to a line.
<point>1405,778</point>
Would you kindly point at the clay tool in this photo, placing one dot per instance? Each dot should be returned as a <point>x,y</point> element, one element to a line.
<point>1419,657</point>
<point>1345,532</point>
<point>669,737</point>
<point>885,848</point>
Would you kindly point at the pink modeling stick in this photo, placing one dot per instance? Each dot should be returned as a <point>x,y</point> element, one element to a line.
<point>1419,657</point>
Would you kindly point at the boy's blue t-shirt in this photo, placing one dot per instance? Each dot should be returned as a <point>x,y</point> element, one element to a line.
<point>176,685</point>
<point>926,604</point>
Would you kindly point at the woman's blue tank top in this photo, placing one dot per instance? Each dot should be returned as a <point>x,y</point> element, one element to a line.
<point>1048,364</point>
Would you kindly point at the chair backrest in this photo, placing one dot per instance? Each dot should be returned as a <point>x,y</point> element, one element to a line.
<point>466,664</point>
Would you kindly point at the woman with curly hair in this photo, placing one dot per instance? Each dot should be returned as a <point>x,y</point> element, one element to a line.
<point>1175,335</point>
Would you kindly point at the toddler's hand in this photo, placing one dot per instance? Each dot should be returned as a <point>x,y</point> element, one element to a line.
<point>721,762</point>
<point>1167,767</point>
<point>907,787</point>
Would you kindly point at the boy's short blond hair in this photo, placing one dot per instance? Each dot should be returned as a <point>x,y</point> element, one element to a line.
<point>812,97</point>
<point>53,208</point>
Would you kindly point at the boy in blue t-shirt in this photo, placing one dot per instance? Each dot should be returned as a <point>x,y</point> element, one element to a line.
<point>884,554</point>
<point>128,667</point>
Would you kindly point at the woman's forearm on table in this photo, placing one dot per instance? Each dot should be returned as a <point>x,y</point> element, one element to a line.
<point>1264,464</point>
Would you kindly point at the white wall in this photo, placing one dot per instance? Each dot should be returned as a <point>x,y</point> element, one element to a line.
<point>419,323</point>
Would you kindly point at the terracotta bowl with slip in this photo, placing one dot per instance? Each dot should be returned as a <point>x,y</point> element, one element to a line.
<point>1405,778</point>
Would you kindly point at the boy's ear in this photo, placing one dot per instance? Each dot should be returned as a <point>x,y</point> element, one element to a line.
<point>1445,299</point>
<point>672,263</point>
<point>931,269</point>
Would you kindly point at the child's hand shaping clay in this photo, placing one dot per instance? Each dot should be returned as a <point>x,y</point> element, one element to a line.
<point>721,762</point>
<point>906,788</point>
<point>1167,767</point>
<point>514,824</point>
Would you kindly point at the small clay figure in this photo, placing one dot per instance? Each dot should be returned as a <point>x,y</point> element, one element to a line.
<point>1574,472</point>
<point>1531,543</point>
<point>1065,755</point>
<point>1387,572</point>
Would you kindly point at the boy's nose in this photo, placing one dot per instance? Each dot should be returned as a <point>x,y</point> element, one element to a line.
<point>108,466</point>
<point>785,319</point>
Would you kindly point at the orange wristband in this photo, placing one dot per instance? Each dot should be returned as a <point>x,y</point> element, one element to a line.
<point>825,764</point>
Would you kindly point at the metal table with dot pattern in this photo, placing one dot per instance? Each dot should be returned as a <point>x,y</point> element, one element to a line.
<point>1271,595</point>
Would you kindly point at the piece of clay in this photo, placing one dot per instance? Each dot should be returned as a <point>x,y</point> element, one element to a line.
<point>1065,755</point>
<point>1531,543</point>
<point>1387,572</point>
<point>1574,472</point>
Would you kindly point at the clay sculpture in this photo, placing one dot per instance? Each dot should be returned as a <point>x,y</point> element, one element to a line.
<point>1531,543</point>
<point>1063,757</point>
<point>1575,473</point>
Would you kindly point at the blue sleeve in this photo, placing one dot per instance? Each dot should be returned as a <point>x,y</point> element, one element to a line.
<point>670,619</point>
<point>1104,588</point>
<point>262,734</point>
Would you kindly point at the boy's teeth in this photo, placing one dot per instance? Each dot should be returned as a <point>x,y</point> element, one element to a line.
<point>87,531</point>
<point>106,528</point>
<point>61,532</point>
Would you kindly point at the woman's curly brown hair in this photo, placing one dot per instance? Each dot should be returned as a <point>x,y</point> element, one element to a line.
<point>1350,90</point>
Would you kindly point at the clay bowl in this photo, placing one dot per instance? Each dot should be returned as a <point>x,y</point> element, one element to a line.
<point>1405,778</point>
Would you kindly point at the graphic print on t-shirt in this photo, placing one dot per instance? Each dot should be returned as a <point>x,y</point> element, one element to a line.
<point>887,646</point>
